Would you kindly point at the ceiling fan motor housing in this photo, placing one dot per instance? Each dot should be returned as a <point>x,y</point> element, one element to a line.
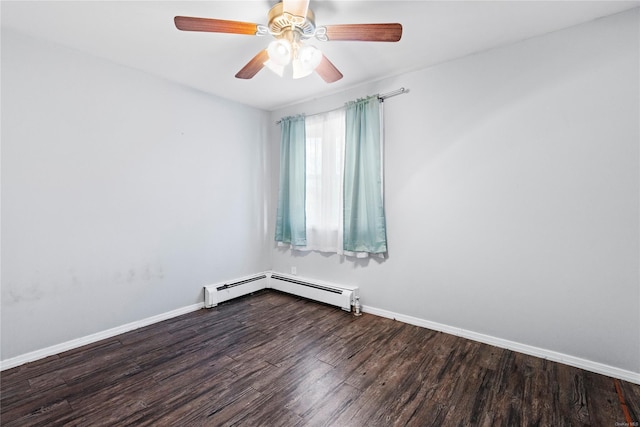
<point>281,22</point>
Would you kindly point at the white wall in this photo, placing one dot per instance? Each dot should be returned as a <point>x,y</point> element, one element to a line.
<point>512,194</point>
<point>122,194</point>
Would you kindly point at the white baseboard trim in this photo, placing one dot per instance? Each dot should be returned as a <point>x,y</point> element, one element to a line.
<point>89,339</point>
<point>576,362</point>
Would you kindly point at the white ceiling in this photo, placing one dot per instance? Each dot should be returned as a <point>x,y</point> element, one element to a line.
<point>141,34</point>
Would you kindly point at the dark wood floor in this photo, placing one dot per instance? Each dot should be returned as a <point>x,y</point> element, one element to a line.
<point>273,359</point>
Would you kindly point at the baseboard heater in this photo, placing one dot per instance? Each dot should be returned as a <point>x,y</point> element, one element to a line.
<point>342,296</point>
<point>215,294</point>
<point>328,293</point>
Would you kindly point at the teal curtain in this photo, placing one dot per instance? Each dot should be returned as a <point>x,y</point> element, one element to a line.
<point>290,217</point>
<point>364,218</point>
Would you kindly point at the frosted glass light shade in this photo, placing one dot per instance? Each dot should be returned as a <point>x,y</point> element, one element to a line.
<point>279,52</point>
<point>276,68</point>
<point>308,58</point>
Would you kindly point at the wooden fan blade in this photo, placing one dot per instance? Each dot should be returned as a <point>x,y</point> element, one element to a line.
<point>296,7</point>
<point>256,64</point>
<point>328,71</point>
<point>186,23</point>
<point>365,32</point>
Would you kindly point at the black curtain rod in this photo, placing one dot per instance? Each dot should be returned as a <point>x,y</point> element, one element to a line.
<point>380,97</point>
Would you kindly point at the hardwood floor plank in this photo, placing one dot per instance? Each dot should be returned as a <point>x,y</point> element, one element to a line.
<point>275,359</point>
<point>427,414</point>
<point>233,412</point>
<point>467,401</point>
<point>631,395</point>
<point>268,411</point>
<point>572,396</point>
<point>307,400</point>
<point>536,392</point>
<point>385,353</point>
<point>411,394</point>
<point>332,403</point>
<point>51,413</point>
<point>602,400</point>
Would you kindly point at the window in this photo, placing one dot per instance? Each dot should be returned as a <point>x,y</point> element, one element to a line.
<point>325,135</point>
<point>330,197</point>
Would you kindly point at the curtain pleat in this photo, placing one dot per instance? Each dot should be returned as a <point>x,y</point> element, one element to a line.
<point>291,216</point>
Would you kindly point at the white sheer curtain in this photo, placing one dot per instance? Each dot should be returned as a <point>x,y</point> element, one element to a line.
<point>325,134</point>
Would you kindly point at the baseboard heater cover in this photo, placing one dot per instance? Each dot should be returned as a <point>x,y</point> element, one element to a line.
<point>215,294</point>
<point>342,296</point>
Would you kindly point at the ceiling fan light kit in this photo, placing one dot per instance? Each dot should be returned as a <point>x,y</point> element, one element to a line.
<point>290,31</point>
<point>292,23</point>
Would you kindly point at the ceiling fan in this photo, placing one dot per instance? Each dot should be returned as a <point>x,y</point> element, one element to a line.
<point>291,23</point>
